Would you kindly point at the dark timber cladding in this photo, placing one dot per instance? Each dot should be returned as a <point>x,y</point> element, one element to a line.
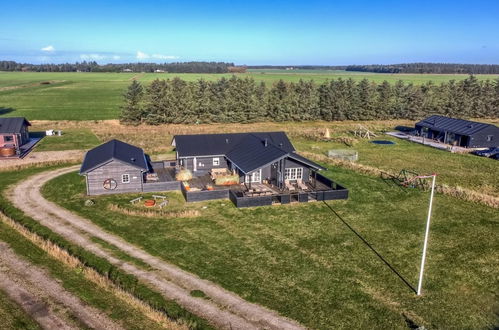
<point>114,167</point>
<point>460,132</point>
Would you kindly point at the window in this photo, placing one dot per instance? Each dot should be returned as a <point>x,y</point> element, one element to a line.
<point>109,184</point>
<point>8,138</point>
<point>254,177</point>
<point>293,173</point>
<point>125,178</point>
<point>489,138</point>
<point>216,161</point>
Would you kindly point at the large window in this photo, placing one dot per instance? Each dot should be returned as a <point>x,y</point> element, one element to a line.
<point>8,138</point>
<point>125,178</point>
<point>293,173</point>
<point>254,177</point>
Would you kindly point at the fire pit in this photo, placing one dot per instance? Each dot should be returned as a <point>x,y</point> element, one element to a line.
<point>149,202</point>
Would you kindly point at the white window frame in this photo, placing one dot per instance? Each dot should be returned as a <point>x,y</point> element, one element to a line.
<point>216,161</point>
<point>255,177</point>
<point>293,173</point>
<point>125,178</point>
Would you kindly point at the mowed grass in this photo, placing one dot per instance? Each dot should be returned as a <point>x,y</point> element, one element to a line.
<point>97,96</point>
<point>304,262</point>
<point>464,170</point>
<point>71,139</point>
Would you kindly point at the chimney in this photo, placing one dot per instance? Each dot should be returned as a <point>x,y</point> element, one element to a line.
<point>265,142</point>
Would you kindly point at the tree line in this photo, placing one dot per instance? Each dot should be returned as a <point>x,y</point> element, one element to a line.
<point>437,68</point>
<point>243,100</point>
<point>92,66</point>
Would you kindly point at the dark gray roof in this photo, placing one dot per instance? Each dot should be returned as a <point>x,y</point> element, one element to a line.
<point>251,153</point>
<point>12,124</point>
<point>454,125</point>
<point>116,150</point>
<point>247,151</point>
<point>220,144</point>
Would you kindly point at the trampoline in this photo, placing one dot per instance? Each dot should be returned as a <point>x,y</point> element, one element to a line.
<point>382,142</point>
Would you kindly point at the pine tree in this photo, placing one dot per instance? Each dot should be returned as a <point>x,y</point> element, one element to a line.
<point>132,111</point>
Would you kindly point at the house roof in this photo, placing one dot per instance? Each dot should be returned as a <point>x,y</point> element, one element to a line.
<point>455,125</point>
<point>251,153</point>
<point>13,124</point>
<point>247,151</point>
<point>114,150</point>
<point>220,144</point>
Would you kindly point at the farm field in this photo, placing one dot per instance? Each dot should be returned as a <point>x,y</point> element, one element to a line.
<point>98,96</point>
<point>306,263</point>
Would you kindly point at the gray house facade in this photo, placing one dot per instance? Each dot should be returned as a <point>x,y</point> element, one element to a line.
<point>261,157</point>
<point>459,132</point>
<point>114,167</point>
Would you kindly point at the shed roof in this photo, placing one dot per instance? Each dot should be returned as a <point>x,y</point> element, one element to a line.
<point>454,125</point>
<point>13,124</point>
<point>114,150</point>
<point>220,144</point>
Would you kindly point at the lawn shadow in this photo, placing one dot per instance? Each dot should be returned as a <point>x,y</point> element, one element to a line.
<point>372,248</point>
<point>4,111</point>
<point>37,134</point>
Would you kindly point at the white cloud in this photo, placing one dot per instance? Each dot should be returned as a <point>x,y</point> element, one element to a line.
<point>164,57</point>
<point>93,57</point>
<point>144,56</point>
<point>49,49</point>
<point>116,57</point>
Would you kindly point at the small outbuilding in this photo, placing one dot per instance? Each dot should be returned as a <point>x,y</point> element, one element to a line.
<point>459,132</point>
<point>114,167</point>
<point>13,135</point>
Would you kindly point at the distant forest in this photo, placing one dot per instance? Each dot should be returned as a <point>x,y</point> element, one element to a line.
<point>428,68</point>
<point>180,67</point>
<point>435,68</point>
<point>242,100</point>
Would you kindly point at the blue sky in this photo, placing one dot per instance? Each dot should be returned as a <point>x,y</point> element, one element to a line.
<point>252,32</point>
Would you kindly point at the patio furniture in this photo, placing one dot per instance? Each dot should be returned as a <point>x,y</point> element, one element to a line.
<point>289,186</point>
<point>301,184</point>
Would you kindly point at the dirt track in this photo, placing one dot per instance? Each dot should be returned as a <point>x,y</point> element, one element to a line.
<point>43,298</point>
<point>223,309</point>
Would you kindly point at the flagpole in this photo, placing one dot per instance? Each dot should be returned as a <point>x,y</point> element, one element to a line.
<point>425,245</point>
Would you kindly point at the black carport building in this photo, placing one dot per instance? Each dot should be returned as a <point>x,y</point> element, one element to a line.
<point>459,132</point>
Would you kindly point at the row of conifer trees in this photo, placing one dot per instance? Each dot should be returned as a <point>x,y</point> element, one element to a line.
<point>242,100</point>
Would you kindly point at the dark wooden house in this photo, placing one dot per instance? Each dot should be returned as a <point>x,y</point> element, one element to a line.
<point>114,167</point>
<point>257,157</point>
<point>459,132</point>
<point>13,134</point>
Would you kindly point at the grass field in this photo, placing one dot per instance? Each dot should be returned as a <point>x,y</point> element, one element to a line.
<point>96,96</point>
<point>304,262</point>
<point>74,280</point>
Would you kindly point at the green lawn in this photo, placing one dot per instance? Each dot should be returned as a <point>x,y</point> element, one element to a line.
<point>97,96</point>
<point>465,170</point>
<point>71,139</point>
<point>302,261</point>
<point>73,280</point>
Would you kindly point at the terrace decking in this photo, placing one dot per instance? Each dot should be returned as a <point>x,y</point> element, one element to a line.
<point>164,180</point>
